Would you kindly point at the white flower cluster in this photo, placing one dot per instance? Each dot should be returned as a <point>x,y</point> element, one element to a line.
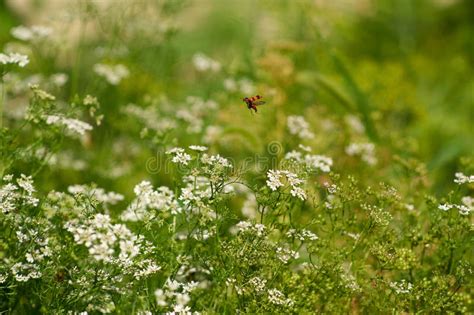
<point>311,161</point>
<point>111,243</point>
<point>194,111</point>
<point>303,235</point>
<point>175,294</point>
<point>365,150</point>
<point>36,244</point>
<point>285,254</point>
<point>402,287</point>
<point>203,63</point>
<point>258,284</point>
<point>14,59</point>
<point>216,161</point>
<point>23,272</point>
<point>12,195</point>
<point>33,33</point>
<point>274,182</point>
<point>464,209</point>
<point>74,125</point>
<point>161,199</point>
<point>463,179</point>
<point>248,227</point>
<point>99,194</point>
<point>179,156</point>
<point>297,125</point>
<point>112,73</point>
<point>278,298</point>
<point>197,190</point>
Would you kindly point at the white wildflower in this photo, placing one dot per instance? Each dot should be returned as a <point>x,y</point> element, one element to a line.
<point>278,298</point>
<point>297,125</point>
<point>112,73</point>
<point>74,125</point>
<point>445,206</point>
<point>463,179</point>
<point>285,254</point>
<point>402,287</point>
<point>14,59</point>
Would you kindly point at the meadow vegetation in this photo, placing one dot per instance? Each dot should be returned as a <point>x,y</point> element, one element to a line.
<point>134,180</point>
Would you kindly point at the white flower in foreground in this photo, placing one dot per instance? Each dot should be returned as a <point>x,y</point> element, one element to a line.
<point>112,73</point>
<point>74,125</point>
<point>274,182</point>
<point>297,125</point>
<point>14,59</point>
<point>463,179</point>
<point>179,156</point>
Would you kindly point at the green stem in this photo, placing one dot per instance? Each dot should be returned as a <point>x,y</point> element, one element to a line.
<point>2,101</point>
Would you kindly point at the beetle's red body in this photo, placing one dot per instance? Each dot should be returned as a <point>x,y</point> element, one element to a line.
<point>253,102</point>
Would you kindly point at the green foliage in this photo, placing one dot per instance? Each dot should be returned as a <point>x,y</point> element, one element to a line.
<point>133,179</point>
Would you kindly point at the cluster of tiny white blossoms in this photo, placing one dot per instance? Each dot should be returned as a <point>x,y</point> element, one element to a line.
<point>215,161</point>
<point>162,199</point>
<point>278,298</point>
<point>463,209</point>
<point>14,59</point>
<point>302,235</point>
<point>251,228</point>
<point>193,112</point>
<point>76,126</point>
<point>203,63</point>
<point>12,194</point>
<point>298,126</point>
<point>274,182</point>
<point>257,284</point>
<point>365,150</point>
<point>31,235</point>
<point>23,272</point>
<point>463,179</point>
<point>113,74</point>
<point>99,194</point>
<point>32,33</point>
<point>179,156</point>
<point>311,161</point>
<point>112,243</point>
<point>285,254</point>
<point>402,287</point>
<point>175,295</point>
